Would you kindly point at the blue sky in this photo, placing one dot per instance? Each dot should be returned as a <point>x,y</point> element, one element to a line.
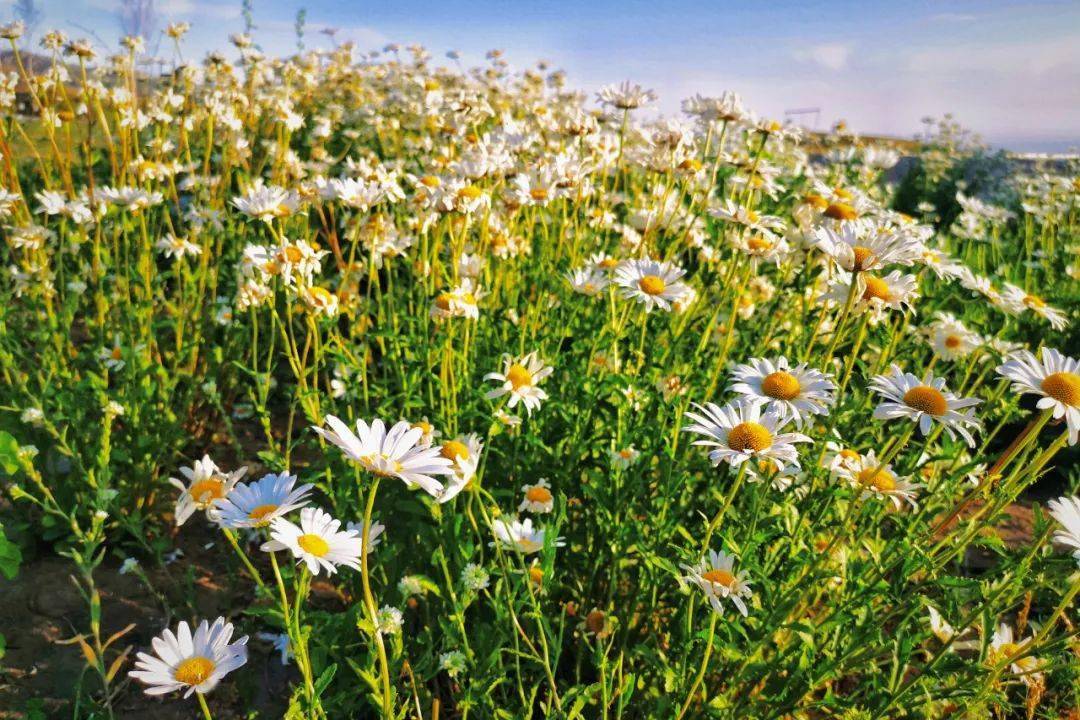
<point>1009,70</point>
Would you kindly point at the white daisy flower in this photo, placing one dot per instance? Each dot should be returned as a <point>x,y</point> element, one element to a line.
<point>206,484</point>
<point>875,294</point>
<point>739,431</point>
<point>1016,300</point>
<point>941,264</point>
<point>602,262</point>
<point>520,535</point>
<point>520,379</point>
<point>267,202</point>
<point>464,452</point>
<point>795,393</point>
<point>373,538</point>
<point>763,245</point>
<point>861,247</point>
<point>873,479</point>
<point>945,632</point>
<point>178,247</point>
<point>950,338</point>
<point>1004,644</point>
<point>1056,377</point>
<point>717,579</point>
<point>192,663</point>
<point>390,453</point>
<point>587,281</point>
<point>430,434</point>
<point>650,282</point>
<point>624,458</point>
<point>1066,510</point>
<point>461,301</point>
<point>317,541</point>
<point>538,498</point>
<point>750,219</point>
<point>252,505</point>
<point>113,357</point>
<point>924,401</point>
<point>625,96</point>
<point>838,457</point>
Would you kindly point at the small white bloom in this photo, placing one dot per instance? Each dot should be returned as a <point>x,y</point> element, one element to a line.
<point>190,662</point>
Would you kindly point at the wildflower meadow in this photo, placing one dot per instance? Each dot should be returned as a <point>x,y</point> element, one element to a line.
<point>371,385</point>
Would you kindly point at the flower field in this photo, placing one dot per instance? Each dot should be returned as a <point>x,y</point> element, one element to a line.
<point>482,397</point>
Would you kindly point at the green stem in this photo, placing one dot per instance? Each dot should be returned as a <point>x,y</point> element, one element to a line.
<point>372,610</point>
<point>701,671</point>
<point>204,706</point>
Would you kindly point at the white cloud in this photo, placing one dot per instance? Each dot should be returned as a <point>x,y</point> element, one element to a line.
<point>831,56</point>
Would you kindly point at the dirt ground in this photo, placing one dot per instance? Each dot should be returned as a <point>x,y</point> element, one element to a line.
<point>42,606</point>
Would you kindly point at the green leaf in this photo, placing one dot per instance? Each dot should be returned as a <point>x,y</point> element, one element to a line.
<point>325,679</point>
<point>10,557</point>
<point>9,453</point>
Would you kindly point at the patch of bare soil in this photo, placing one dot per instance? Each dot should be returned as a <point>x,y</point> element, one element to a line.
<point>42,607</point>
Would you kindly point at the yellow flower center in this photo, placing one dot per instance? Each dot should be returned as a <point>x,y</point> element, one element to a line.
<point>926,399</point>
<point>876,288</point>
<point>293,254</point>
<point>1007,650</point>
<point>313,545</point>
<point>259,513</point>
<point>752,217</point>
<point>538,193</point>
<point>319,295</point>
<point>608,263</point>
<point>759,243</point>
<point>536,575</point>
<point>1063,387</point>
<point>594,622</point>
<point>842,193</point>
<point>430,181</point>
<point>443,302</point>
<point>816,201</point>
<point>862,255</point>
<point>952,342</point>
<point>469,192</point>
<point>719,577</point>
<point>455,451</point>
<point>849,454</point>
<point>1034,301</point>
<point>538,495</point>
<point>651,285</point>
<point>781,385</point>
<point>841,211</point>
<point>878,478</point>
<point>749,436</point>
<point>194,670</point>
<point>206,491</point>
<point>519,377</point>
